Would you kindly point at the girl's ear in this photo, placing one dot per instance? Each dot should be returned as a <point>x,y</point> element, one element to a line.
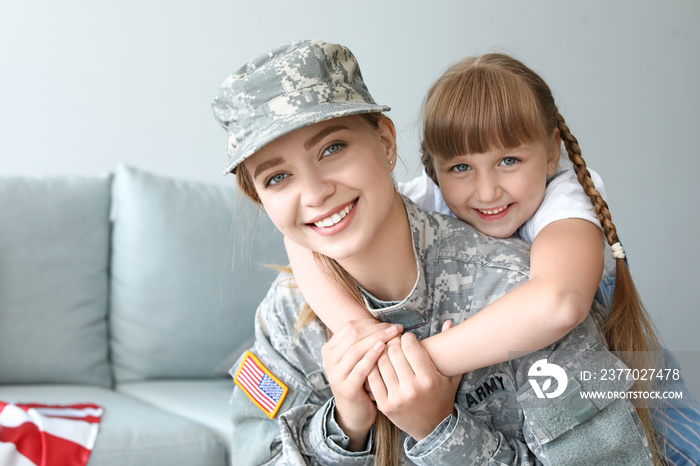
<point>387,135</point>
<point>554,152</point>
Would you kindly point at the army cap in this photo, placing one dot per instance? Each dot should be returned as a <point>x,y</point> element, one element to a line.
<point>294,85</point>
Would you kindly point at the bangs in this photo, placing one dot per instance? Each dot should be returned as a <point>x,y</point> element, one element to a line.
<point>486,109</point>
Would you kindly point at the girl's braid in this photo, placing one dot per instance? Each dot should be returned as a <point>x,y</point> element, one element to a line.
<point>584,178</point>
<point>628,330</point>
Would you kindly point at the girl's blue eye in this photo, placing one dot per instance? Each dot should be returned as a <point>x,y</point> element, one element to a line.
<point>462,167</point>
<point>509,161</point>
<point>275,179</point>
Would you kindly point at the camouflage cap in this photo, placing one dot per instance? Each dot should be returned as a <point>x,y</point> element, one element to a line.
<point>294,85</point>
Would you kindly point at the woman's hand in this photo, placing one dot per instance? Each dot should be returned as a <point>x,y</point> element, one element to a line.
<point>408,388</point>
<point>348,358</point>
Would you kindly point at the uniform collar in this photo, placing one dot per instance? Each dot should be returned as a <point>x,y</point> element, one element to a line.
<point>415,309</point>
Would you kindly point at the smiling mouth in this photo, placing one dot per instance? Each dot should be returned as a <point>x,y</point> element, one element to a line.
<point>336,217</point>
<point>495,211</point>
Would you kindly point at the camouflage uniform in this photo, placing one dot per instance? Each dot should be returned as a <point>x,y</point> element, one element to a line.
<point>499,421</point>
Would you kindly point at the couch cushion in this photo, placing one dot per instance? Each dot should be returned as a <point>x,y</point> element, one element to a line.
<point>132,432</point>
<point>204,401</point>
<point>187,274</point>
<point>54,256</point>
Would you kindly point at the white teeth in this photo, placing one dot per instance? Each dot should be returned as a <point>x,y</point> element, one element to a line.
<point>493,212</point>
<point>335,218</point>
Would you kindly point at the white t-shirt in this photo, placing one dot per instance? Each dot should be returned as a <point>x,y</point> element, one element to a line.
<point>563,198</point>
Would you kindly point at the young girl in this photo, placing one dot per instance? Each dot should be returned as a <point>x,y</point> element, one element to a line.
<point>488,164</point>
<point>300,145</point>
<point>492,136</point>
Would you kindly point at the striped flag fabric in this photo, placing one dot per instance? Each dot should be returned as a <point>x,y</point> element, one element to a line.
<point>33,434</point>
<point>261,386</point>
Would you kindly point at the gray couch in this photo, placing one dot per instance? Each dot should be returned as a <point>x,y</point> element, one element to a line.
<point>135,292</point>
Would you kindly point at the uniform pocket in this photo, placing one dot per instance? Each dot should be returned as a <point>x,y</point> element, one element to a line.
<point>588,391</point>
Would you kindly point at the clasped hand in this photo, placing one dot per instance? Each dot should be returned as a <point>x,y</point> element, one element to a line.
<point>402,379</point>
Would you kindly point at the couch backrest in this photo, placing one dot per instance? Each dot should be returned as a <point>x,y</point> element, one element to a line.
<point>168,289</point>
<point>54,259</point>
<point>187,274</point>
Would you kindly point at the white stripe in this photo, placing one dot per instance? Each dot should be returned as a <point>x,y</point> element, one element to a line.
<point>681,410</point>
<point>70,412</point>
<point>679,453</point>
<point>10,456</point>
<point>269,399</point>
<point>77,431</point>
<point>669,426</point>
<point>80,432</point>
<point>12,416</point>
<point>253,376</point>
<point>249,380</point>
<point>252,385</point>
<point>256,393</point>
<point>250,368</point>
<point>250,377</point>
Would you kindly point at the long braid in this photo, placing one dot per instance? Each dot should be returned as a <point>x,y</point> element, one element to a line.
<point>649,341</point>
<point>628,329</point>
<point>584,178</point>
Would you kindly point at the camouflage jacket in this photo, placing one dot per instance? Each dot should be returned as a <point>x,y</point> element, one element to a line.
<point>500,418</point>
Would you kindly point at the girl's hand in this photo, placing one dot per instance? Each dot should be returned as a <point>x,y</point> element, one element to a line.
<point>408,388</point>
<point>348,358</point>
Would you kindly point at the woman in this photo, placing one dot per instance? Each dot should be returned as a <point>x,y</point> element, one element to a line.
<point>307,141</point>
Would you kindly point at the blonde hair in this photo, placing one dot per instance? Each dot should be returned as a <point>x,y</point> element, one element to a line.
<point>386,435</point>
<point>496,102</point>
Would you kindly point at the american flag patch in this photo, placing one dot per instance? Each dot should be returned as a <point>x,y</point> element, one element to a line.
<point>261,386</point>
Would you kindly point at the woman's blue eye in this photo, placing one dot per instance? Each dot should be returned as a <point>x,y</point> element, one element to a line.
<point>332,149</point>
<point>462,167</point>
<point>508,161</point>
<point>274,179</point>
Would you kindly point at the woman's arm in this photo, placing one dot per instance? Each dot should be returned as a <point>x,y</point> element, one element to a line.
<point>566,267</point>
<point>311,423</point>
<point>321,293</point>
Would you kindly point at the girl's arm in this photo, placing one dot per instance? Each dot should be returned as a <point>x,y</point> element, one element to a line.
<point>566,265</point>
<point>321,293</point>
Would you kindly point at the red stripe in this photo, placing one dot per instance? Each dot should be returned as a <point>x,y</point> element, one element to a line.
<point>39,447</point>
<point>89,419</point>
<point>269,402</point>
<point>253,368</point>
<point>26,406</point>
<point>92,419</point>
<point>251,382</point>
<point>250,376</point>
<point>254,393</point>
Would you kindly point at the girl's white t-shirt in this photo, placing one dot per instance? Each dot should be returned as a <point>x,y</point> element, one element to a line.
<point>564,198</point>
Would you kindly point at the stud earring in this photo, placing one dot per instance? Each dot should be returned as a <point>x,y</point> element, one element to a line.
<point>391,162</point>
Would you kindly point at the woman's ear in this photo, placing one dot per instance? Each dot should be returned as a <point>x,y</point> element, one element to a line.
<point>387,135</point>
<point>553,152</point>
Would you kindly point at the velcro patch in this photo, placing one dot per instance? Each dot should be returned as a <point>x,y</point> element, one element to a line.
<point>261,386</point>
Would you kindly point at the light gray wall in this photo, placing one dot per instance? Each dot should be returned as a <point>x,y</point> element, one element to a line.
<point>85,85</point>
